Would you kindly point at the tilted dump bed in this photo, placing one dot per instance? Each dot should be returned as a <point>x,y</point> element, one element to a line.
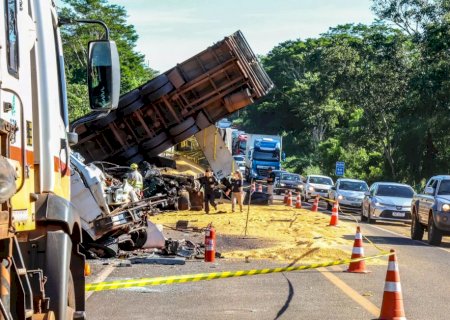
<point>177,104</point>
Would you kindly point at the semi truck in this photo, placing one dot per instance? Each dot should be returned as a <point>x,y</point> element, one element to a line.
<point>42,268</point>
<point>262,152</point>
<point>176,105</point>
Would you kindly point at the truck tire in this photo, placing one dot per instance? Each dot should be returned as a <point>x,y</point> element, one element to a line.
<point>155,141</point>
<point>202,121</point>
<point>129,98</point>
<point>434,234</point>
<point>179,128</point>
<point>159,149</point>
<point>136,105</point>
<point>167,88</point>
<point>186,134</point>
<point>417,229</point>
<point>183,201</point>
<point>154,84</point>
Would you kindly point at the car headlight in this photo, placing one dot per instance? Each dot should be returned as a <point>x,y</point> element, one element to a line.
<point>311,188</point>
<point>300,186</point>
<point>340,197</point>
<point>282,184</point>
<point>377,204</point>
<point>445,207</point>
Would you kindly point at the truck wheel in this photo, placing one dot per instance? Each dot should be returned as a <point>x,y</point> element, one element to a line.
<point>129,98</point>
<point>154,84</point>
<point>416,227</point>
<point>155,141</point>
<point>167,88</point>
<point>161,148</point>
<point>434,234</point>
<point>136,105</point>
<point>186,124</point>
<point>202,121</point>
<point>186,134</point>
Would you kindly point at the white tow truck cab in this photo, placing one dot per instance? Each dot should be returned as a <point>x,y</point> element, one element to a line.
<point>42,269</point>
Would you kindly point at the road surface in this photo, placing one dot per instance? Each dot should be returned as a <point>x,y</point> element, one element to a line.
<point>316,294</point>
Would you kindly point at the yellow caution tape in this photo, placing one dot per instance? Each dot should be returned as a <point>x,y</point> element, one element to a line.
<point>121,284</point>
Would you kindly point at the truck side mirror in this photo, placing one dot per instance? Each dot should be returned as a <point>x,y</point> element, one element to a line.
<point>429,190</point>
<point>103,75</point>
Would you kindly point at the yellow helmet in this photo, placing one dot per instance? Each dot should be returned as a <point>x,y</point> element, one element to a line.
<point>134,166</point>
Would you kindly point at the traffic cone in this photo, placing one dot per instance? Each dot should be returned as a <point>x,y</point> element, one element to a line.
<point>259,187</point>
<point>289,200</point>
<point>315,206</point>
<point>357,252</point>
<point>335,215</point>
<point>285,200</point>
<point>298,203</point>
<point>392,305</point>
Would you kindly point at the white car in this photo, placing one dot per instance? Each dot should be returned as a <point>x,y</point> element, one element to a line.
<point>349,192</point>
<point>317,185</point>
<point>240,161</point>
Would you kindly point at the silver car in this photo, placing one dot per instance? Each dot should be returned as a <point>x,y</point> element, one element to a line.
<point>387,201</point>
<point>349,192</point>
<point>316,185</point>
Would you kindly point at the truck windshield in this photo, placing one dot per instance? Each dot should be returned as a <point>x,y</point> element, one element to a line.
<point>395,191</point>
<point>321,180</point>
<point>290,177</point>
<point>353,186</point>
<point>268,156</point>
<point>444,188</point>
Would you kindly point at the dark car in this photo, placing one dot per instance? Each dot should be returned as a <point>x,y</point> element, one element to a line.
<point>288,181</point>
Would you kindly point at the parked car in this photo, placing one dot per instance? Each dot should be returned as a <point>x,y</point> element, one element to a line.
<point>288,181</point>
<point>387,201</point>
<point>349,192</point>
<point>316,185</point>
<point>431,211</point>
<point>240,161</point>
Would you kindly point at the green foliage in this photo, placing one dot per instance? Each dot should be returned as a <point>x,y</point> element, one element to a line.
<point>134,71</point>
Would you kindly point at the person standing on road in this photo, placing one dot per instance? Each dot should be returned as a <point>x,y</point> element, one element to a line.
<point>136,180</point>
<point>236,190</point>
<point>270,181</point>
<point>209,183</point>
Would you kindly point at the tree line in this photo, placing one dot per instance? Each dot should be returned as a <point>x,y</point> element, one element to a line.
<point>375,96</point>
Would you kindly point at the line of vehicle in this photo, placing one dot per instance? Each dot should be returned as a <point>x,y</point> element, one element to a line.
<point>349,291</point>
<point>100,278</point>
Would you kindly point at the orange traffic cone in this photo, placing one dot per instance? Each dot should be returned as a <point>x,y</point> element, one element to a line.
<point>289,199</point>
<point>315,206</point>
<point>259,187</point>
<point>335,215</point>
<point>357,252</point>
<point>392,305</point>
<point>285,200</point>
<point>298,203</point>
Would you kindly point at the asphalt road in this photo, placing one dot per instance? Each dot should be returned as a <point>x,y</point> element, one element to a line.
<point>315,294</point>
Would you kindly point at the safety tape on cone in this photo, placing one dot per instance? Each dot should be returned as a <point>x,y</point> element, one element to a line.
<point>142,282</point>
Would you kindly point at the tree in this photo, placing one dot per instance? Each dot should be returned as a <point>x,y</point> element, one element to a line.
<point>134,71</point>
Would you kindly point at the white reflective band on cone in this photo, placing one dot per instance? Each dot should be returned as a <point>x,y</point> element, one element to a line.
<point>392,266</point>
<point>358,250</point>
<point>392,286</point>
<point>358,236</point>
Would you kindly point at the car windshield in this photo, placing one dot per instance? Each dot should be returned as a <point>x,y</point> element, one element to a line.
<point>321,180</point>
<point>290,177</point>
<point>239,158</point>
<point>353,186</point>
<point>444,188</point>
<point>386,190</point>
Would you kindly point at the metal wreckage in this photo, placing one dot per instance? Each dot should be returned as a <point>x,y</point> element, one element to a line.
<point>166,110</point>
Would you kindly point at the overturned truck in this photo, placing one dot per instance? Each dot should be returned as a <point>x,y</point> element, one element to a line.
<point>176,104</point>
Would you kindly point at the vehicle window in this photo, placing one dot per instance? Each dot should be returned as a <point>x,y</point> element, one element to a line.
<point>444,188</point>
<point>239,158</point>
<point>353,186</point>
<point>290,177</point>
<point>321,180</point>
<point>386,190</point>
<point>12,45</point>
<point>373,189</point>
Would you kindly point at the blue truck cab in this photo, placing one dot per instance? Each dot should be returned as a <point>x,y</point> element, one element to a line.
<point>265,154</point>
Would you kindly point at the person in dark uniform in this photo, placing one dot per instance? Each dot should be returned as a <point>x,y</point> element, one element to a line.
<point>270,183</point>
<point>236,189</point>
<point>208,183</point>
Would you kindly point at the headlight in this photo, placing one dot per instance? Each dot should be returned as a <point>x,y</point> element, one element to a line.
<point>377,204</point>
<point>282,184</point>
<point>300,186</point>
<point>311,188</point>
<point>445,207</point>
<point>340,197</point>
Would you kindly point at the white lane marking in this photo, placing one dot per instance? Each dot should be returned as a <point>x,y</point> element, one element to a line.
<point>100,278</point>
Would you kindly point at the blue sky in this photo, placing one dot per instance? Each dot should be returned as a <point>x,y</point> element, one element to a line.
<point>170,31</point>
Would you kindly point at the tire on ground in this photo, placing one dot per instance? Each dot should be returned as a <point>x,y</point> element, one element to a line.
<point>434,234</point>
<point>129,98</point>
<point>167,88</point>
<point>154,84</point>
<point>179,128</point>
<point>186,134</point>
<point>417,230</point>
<point>155,141</point>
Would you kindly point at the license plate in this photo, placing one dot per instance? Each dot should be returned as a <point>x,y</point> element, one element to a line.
<point>398,214</point>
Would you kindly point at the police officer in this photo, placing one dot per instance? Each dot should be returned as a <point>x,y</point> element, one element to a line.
<point>208,183</point>
<point>270,182</point>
